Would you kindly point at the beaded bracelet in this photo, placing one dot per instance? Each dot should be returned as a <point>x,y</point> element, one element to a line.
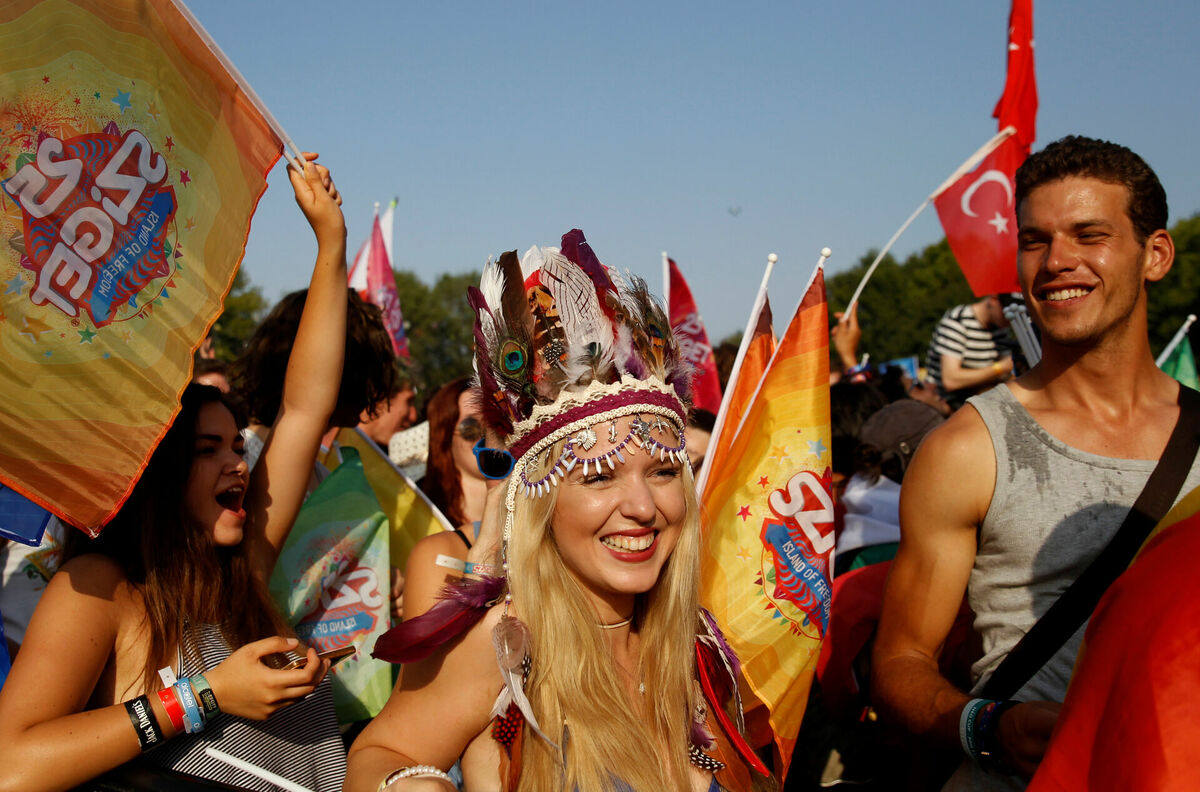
<point>204,693</point>
<point>141,715</point>
<point>416,771</point>
<point>171,703</point>
<point>193,721</point>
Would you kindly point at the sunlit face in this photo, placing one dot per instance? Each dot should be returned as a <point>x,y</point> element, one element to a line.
<point>1080,261</point>
<point>216,484</point>
<point>616,528</point>
<point>395,414</point>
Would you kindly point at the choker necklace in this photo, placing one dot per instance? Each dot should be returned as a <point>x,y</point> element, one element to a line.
<point>615,625</point>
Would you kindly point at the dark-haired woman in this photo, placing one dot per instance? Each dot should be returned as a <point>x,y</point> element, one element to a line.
<point>456,486</point>
<point>175,586</point>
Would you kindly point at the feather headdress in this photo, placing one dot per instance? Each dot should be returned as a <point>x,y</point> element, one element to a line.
<point>560,323</point>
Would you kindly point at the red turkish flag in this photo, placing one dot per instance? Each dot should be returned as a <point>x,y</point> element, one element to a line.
<point>978,212</point>
<point>693,343</point>
<point>1019,103</point>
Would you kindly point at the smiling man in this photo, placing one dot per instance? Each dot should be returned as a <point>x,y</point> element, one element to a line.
<point>1011,500</point>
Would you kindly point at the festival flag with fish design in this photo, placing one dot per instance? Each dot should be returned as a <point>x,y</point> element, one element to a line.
<point>769,532</point>
<point>130,164</point>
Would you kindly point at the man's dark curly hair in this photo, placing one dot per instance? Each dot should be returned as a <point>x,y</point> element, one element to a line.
<point>1108,162</point>
<point>369,374</point>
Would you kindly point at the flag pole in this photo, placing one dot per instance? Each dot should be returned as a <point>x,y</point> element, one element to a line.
<point>825,254</point>
<point>666,283</point>
<point>297,158</point>
<point>759,300</point>
<point>971,162</point>
<point>1175,340</point>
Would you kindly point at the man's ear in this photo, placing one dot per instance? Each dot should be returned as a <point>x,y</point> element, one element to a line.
<point>1160,255</point>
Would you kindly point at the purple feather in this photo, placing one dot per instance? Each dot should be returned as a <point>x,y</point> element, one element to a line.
<point>462,605</point>
<point>578,251</point>
<point>724,646</point>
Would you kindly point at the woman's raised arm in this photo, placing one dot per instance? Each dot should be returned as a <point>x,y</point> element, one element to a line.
<point>314,374</point>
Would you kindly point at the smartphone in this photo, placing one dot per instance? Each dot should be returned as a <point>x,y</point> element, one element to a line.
<point>334,656</point>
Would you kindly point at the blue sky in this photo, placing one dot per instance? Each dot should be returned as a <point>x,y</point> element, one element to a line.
<point>503,125</point>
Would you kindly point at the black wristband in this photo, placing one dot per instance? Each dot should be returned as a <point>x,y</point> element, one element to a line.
<point>989,745</point>
<point>141,715</point>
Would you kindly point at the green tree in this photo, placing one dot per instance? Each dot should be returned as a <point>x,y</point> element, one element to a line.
<point>244,309</point>
<point>902,303</point>
<point>439,325</point>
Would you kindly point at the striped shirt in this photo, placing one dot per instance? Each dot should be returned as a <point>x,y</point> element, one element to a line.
<point>300,742</point>
<point>959,334</point>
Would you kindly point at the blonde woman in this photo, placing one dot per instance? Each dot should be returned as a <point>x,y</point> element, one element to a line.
<point>579,659</point>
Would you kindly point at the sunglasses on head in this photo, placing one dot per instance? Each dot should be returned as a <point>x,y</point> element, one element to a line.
<point>470,429</point>
<point>493,463</point>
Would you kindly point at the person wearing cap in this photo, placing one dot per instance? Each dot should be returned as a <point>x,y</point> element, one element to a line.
<point>871,525</point>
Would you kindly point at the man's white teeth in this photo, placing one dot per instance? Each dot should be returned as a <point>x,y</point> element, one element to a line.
<point>1064,294</point>
<point>629,544</point>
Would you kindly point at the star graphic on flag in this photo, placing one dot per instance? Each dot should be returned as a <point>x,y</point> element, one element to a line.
<point>744,553</point>
<point>184,178</point>
<point>1000,223</point>
<point>744,512</point>
<point>762,482</point>
<point>816,447</point>
<point>126,336</point>
<point>122,101</point>
<point>86,335</point>
<point>779,452</point>
<point>170,143</point>
<point>45,79</point>
<point>76,100</point>
<point>191,223</point>
<point>14,285</point>
<point>34,327</point>
<point>153,110</point>
<point>97,94</point>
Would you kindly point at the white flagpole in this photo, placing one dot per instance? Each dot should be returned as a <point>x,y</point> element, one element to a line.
<point>759,300</point>
<point>297,159</point>
<point>666,284</point>
<point>970,163</point>
<point>825,254</point>
<point>1175,340</point>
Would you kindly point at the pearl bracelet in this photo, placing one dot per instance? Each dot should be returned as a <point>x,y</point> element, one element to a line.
<point>416,771</point>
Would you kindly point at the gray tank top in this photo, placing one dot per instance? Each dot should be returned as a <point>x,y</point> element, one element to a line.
<point>1053,510</point>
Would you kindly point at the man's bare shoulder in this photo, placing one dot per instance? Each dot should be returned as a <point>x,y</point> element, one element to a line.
<point>950,481</point>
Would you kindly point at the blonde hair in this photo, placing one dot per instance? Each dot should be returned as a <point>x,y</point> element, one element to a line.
<point>577,692</point>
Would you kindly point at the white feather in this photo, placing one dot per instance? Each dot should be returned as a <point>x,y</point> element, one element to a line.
<point>583,321</point>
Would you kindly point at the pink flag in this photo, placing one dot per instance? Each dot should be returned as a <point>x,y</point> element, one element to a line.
<point>373,279</point>
<point>978,211</point>
<point>693,342</point>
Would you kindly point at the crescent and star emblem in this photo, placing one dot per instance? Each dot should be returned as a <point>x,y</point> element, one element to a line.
<point>999,221</point>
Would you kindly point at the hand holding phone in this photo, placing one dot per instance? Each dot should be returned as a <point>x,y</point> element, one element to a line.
<point>333,655</point>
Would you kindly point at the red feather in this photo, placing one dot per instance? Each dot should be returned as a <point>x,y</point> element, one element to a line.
<point>708,671</point>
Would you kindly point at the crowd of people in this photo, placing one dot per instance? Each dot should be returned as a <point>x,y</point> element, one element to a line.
<point>554,638</point>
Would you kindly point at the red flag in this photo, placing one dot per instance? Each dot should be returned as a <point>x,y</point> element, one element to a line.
<point>1129,718</point>
<point>1019,103</point>
<point>693,343</point>
<point>978,212</point>
<point>373,279</point>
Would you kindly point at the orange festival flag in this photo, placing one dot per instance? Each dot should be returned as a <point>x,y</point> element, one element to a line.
<point>739,392</point>
<point>131,161</point>
<point>769,524</point>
